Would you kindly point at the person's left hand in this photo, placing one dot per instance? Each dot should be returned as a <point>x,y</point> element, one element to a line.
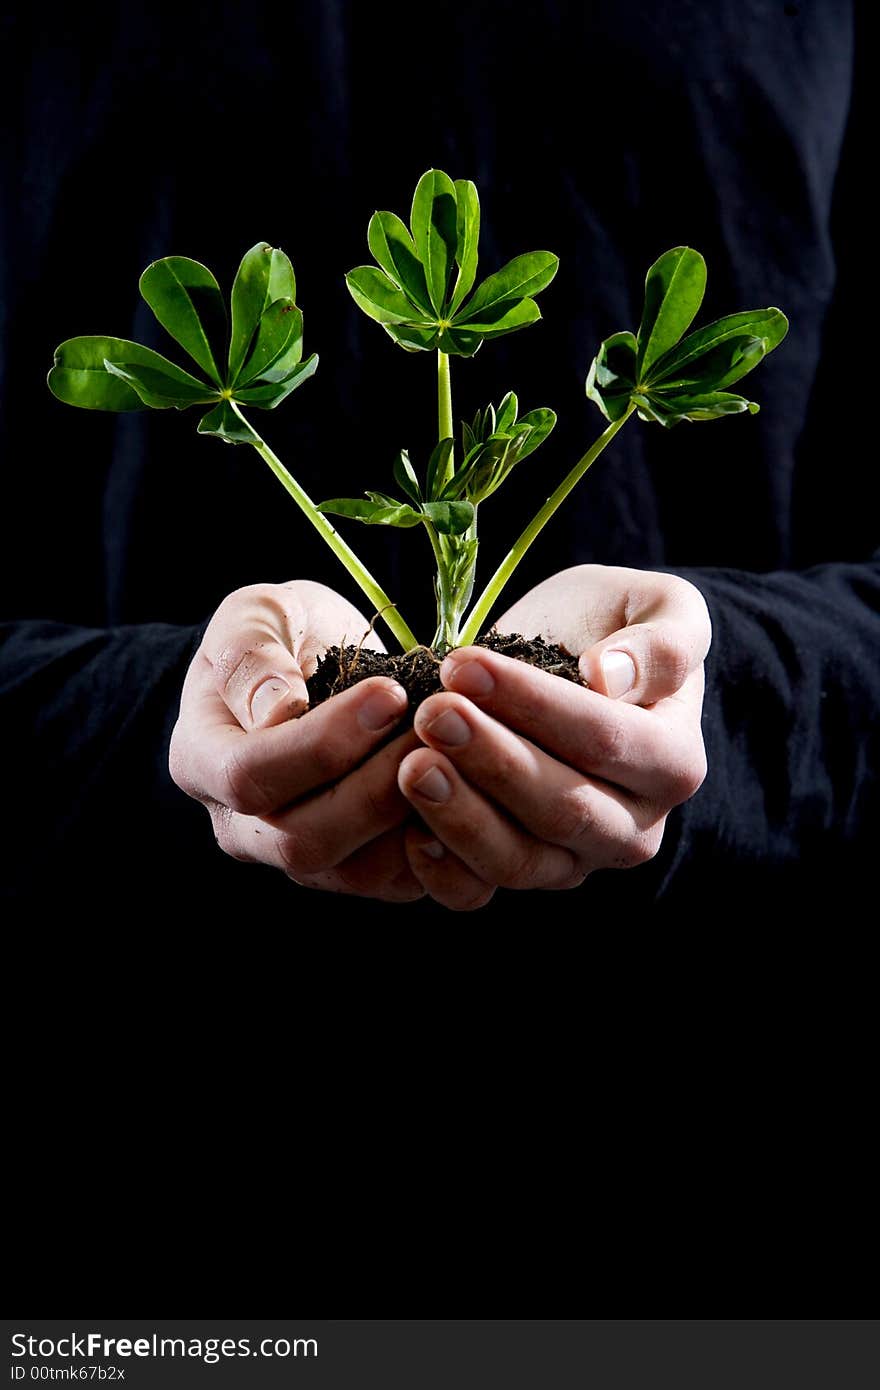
<point>530,781</point>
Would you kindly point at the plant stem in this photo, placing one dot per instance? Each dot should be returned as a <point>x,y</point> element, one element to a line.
<point>446,635</point>
<point>359,573</point>
<point>444,407</point>
<point>493,589</point>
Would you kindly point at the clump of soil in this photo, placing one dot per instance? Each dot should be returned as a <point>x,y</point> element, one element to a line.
<point>419,671</point>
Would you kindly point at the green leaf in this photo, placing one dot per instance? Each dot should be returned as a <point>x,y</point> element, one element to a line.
<point>223,422</point>
<point>80,377</point>
<point>540,423</point>
<point>449,518</point>
<point>519,279</point>
<point>711,405</point>
<point>373,513</point>
<point>459,342</point>
<point>379,297</point>
<point>683,361</point>
<point>674,289</point>
<point>434,223</point>
<point>413,338</point>
<point>467,239</point>
<point>270,394</point>
<point>437,467</point>
<point>611,378</point>
<point>394,249</point>
<point>159,389</point>
<point>404,475</point>
<point>264,275</point>
<point>186,300</point>
<point>503,317</point>
<point>506,416</point>
<point>280,328</point>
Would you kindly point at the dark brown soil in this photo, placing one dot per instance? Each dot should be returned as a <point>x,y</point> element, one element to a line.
<point>419,671</point>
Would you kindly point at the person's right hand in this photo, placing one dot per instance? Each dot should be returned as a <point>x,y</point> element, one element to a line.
<point>302,791</point>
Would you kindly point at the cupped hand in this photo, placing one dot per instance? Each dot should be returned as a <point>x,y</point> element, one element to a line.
<point>530,781</point>
<point>311,792</point>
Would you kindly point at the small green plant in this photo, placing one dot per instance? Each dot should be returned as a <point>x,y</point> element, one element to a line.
<point>422,293</point>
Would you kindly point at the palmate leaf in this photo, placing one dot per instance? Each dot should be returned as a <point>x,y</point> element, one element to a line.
<point>434,223</point>
<point>674,289</point>
<point>264,276</point>
<point>670,380</point>
<point>518,280</point>
<point>186,300</point>
<point>413,294</point>
<point>114,374</point>
<point>379,297</point>
<point>467,240</point>
<point>711,405</point>
<point>394,250</point>
<point>223,422</point>
<point>694,358</point>
<point>612,376</point>
<point>266,395</point>
<point>279,331</point>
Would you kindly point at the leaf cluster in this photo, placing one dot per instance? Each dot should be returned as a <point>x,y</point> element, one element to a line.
<point>492,445</point>
<point>252,356</point>
<point>668,377</point>
<point>426,272</point>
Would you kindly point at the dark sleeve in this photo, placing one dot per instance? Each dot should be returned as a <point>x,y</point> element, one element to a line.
<point>792,729</point>
<point>87,718</point>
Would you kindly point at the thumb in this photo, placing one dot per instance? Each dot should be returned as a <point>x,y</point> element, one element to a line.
<point>645,662</point>
<point>256,674</point>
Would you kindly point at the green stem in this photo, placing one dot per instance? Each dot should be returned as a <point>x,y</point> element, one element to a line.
<point>444,407</point>
<point>490,594</point>
<point>359,573</point>
<point>446,635</point>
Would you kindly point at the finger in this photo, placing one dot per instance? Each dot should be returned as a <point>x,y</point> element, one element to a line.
<point>556,804</point>
<point>666,638</point>
<point>487,842</point>
<point>378,870</point>
<point>250,648</point>
<point>260,772</point>
<point>655,755</point>
<point>442,874</point>
<point>321,832</point>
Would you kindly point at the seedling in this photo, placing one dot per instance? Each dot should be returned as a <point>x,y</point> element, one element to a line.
<point>422,293</point>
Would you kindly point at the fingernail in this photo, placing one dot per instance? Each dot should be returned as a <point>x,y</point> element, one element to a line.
<point>449,728</point>
<point>267,695</point>
<point>468,677</point>
<point>434,785</point>
<point>618,673</point>
<point>433,849</point>
<point>381,708</point>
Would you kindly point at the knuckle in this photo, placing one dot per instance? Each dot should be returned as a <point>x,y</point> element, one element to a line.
<point>331,754</point>
<point>177,764</point>
<point>669,659</point>
<point>607,741</point>
<point>569,819</point>
<point>472,901</point>
<point>642,848</point>
<point>526,871</point>
<point>688,777</point>
<point>304,854</point>
<point>224,833</point>
<point>241,790</point>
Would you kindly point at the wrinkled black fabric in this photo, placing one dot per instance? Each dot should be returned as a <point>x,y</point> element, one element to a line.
<point>131,136</point>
